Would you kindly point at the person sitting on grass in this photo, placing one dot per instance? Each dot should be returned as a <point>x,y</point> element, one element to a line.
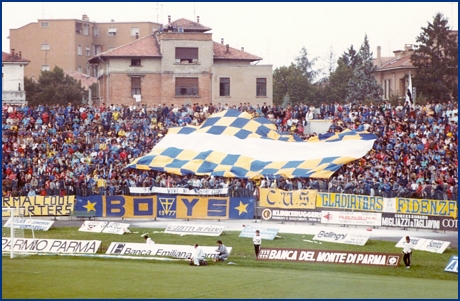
<point>222,250</point>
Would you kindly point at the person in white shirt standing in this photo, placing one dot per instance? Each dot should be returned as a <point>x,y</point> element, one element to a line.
<point>407,250</point>
<point>257,240</point>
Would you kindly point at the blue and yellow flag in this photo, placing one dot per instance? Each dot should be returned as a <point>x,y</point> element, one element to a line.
<point>233,144</point>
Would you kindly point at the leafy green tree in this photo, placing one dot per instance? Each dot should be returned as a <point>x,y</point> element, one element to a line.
<point>436,60</point>
<point>338,82</point>
<point>363,85</point>
<point>290,80</point>
<point>54,87</point>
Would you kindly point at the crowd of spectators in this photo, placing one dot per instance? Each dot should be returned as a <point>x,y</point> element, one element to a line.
<point>68,150</point>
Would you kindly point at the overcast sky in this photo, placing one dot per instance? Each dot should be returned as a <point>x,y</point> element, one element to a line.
<point>274,31</point>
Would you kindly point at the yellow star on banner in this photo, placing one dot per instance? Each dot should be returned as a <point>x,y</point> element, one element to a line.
<point>242,208</point>
<point>90,206</point>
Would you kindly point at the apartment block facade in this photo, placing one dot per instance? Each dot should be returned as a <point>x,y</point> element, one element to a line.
<point>180,64</point>
<point>69,43</point>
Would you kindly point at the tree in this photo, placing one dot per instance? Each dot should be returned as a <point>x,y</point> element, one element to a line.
<point>436,60</point>
<point>338,82</point>
<point>54,87</point>
<point>306,66</point>
<point>290,80</point>
<point>286,101</point>
<point>363,85</point>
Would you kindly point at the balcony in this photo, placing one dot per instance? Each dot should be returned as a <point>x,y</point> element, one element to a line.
<point>14,97</point>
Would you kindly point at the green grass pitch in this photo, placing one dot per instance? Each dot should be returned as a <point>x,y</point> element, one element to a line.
<point>54,276</point>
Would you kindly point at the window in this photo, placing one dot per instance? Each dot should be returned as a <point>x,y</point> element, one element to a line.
<point>88,51</point>
<point>45,67</point>
<point>134,30</point>
<point>45,47</point>
<point>79,28</point>
<point>261,87</point>
<point>86,29</point>
<point>44,24</point>
<point>112,31</point>
<point>97,49</point>
<point>96,31</point>
<point>136,62</point>
<point>79,51</point>
<point>186,86</point>
<point>224,86</point>
<point>79,69</point>
<point>135,85</point>
<point>186,55</point>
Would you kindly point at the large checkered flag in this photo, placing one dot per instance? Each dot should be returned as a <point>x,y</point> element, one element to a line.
<point>409,99</point>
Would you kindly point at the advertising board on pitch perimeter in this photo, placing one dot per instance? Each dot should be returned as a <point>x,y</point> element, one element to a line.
<point>265,233</point>
<point>423,244</point>
<point>30,224</point>
<point>295,215</point>
<point>104,227</point>
<point>329,256</point>
<point>184,229</point>
<point>452,265</point>
<point>143,249</point>
<point>351,218</point>
<point>343,237</point>
<point>50,245</point>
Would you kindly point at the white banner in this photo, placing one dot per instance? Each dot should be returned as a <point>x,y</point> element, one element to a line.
<point>32,224</point>
<point>92,226</point>
<point>51,245</point>
<point>104,227</point>
<point>343,237</point>
<point>351,218</point>
<point>142,249</point>
<point>116,228</point>
<point>452,265</point>
<point>184,229</point>
<point>423,244</point>
<point>178,190</point>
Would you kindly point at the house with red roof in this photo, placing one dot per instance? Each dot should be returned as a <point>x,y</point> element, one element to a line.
<point>393,72</point>
<point>179,63</point>
<point>13,78</point>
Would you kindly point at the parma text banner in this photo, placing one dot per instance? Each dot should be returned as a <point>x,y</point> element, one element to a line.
<point>41,205</point>
<point>295,199</point>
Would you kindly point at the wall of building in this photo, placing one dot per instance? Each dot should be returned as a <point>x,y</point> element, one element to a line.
<point>60,35</point>
<point>242,84</point>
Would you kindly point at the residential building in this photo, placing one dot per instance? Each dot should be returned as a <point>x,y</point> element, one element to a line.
<point>13,78</point>
<point>393,72</point>
<point>69,43</point>
<point>180,64</point>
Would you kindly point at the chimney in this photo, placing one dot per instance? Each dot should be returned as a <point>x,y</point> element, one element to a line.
<point>137,35</point>
<point>85,17</point>
<point>112,20</point>
<point>222,41</point>
<point>12,51</point>
<point>197,19</point>
<point>169,18</point>
<point>242,48</point>
<point>20,54</point>
<point>379,56</point>
<point>228,49</point>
